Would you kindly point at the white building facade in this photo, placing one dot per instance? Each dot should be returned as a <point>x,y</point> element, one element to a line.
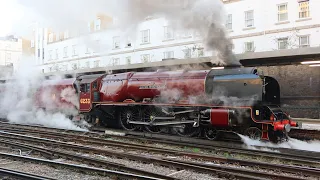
<point>10,52</point>
<point>253,26</point>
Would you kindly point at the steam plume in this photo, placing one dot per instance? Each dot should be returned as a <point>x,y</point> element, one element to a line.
<point>19,103</point>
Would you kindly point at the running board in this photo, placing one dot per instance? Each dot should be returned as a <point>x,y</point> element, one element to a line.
<point>176,113</point>
<point>162,123</point>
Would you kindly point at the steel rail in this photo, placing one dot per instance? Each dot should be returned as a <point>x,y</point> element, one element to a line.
<point>147,159</point>
<point>286,168</point>
<point>305,157</point>
<point>311,157</point>
<point>100,171</point>
<point>21,175</point>
<point>88,160</point>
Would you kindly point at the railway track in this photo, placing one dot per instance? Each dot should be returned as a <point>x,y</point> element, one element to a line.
<point>170,162</point>
<point>74,167</point>
<point>295,156</point>
<point>9,173</point>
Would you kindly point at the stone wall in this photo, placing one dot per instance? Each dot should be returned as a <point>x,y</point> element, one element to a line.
<point>300,89</point>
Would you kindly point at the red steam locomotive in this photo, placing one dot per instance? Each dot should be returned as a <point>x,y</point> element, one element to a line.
<point>186,103</point>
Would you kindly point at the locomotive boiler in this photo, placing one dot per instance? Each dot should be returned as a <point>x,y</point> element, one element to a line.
<point>187,103</point>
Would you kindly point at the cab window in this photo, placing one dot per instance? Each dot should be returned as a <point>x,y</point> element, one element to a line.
<point>85,87</point>
<point>95,85</point>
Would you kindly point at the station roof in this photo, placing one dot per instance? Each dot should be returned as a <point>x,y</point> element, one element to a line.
<point>267,58</point>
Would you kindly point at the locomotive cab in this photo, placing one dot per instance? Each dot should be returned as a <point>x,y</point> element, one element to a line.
<point>271,91</point>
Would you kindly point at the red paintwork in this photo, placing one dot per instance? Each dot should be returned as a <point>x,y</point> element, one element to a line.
<point>85,106</point>
<point>114,87</point>
<point>140,85</point>
<point>293,123</point>
<point>219,117</point>
<point>48,96</point>
<point>279,125</point>
<point>265,134</point>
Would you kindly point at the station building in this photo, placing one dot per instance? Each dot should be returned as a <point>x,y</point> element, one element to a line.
<point>253,25</point>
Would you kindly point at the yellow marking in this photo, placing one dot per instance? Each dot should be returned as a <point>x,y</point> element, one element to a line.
<point>84,101</point>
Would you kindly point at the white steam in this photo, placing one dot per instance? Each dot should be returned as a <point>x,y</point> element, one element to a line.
<point>20,103</point>
<point>291,144</point>
<point>69,95</point>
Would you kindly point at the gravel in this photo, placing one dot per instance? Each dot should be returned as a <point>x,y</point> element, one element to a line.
<point>48,171</point>
<point>180,174</point>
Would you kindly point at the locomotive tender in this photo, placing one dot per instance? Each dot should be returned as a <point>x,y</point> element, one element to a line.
<point>186,103</point>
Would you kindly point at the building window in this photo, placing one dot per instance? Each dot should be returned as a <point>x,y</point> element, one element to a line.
<point>304,41</point>
<point>168,33</point>
<point>230,46</point>
<point>50,37</point>
<point>145,58</point>
<point>50,55</point>
<point>39,53</point>
<point>116,42</point>
<point>57,37</point>
<point>249,46</point>
<point>64,67</point>
<point>89,27</point>
<point>65,51</point>
<point>115,61</point>
<point>304,9</point>
<point>200,52</point>
<point>283,43</point>
<point>145,36</point>
<point>128,44</point>
<point>96,63</point>
<point>282,12</point>
<point>168,55</point>
<point>66,35</point>
<point>186,33</point>
<point>74,50</point>
<point>32,43</point>
<point>229,22</point>
<point>187,53</point>
<point>88,64</point>
<point>249,19</point>
<point>74,66</point>
<point>57,54</point>
<point>97,25</point>
<point>128,59</point>
<point>8,56</point>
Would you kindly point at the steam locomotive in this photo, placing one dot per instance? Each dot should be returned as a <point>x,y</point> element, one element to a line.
<point>186,103</point>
